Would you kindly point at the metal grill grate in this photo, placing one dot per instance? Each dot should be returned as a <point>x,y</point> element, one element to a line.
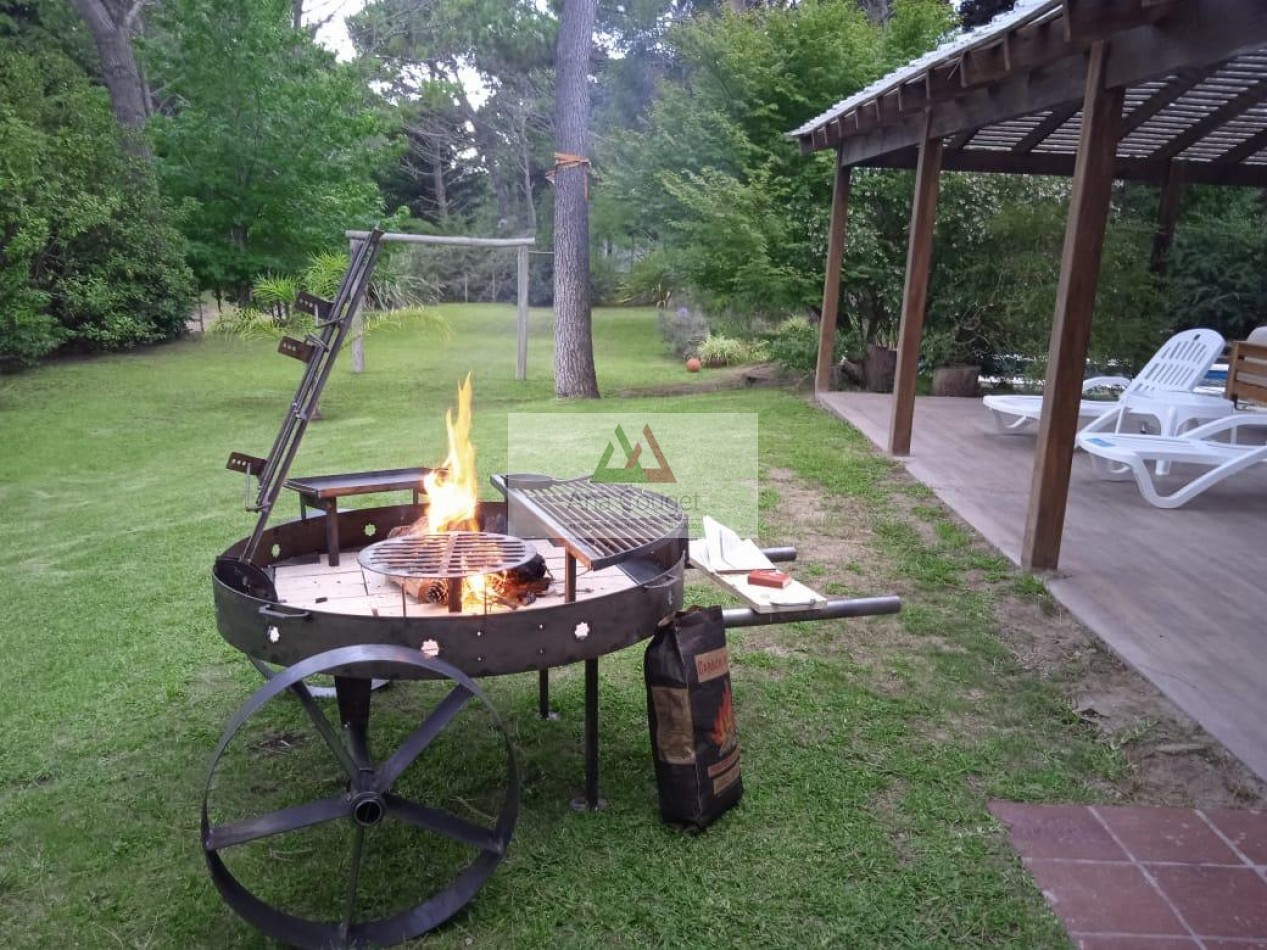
<point>450,555</point>
<point>601,524</point>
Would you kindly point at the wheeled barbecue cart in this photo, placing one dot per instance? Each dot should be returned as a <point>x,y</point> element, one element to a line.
<point>591,569</point>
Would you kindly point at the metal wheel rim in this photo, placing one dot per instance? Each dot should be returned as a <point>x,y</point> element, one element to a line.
<point>306,932</point>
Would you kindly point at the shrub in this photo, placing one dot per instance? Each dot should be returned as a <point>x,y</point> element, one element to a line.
<point>250,323</point>
<point>276,294</point>
<point>793,345</point>
<point>90,257</point>
<point>683,330</point>
<point>728,351</point>
<point>651,281</point>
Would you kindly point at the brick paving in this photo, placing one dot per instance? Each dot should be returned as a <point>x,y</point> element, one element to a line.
<point>1141,878</point>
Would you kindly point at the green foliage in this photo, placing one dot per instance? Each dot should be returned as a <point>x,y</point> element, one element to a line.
<point>875,256</point>
<point>1217,274</point>
<point>271,145</point>
<point>998,262</point>
<point>271,314</point>
<point>276,293</point>
<point>711,179</point>
<point>88,258</point>
<point>439,59</point>
<point>324,273</point>
<point>252,323</point>
<point>728,351</point>
<point>793,345</point>
<point>650,281</point>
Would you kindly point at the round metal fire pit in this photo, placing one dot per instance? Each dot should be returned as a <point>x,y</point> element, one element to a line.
<point>252,617</point>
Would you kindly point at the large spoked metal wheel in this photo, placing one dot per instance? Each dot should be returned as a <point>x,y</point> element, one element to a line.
<point>324,835</point>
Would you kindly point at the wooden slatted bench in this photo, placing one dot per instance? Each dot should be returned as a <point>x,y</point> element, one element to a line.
<point>1247,373</point>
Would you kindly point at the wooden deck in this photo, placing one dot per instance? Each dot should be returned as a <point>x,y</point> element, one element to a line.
<point>1180,595</point>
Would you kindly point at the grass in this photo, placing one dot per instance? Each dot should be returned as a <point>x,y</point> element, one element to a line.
<point>870,748</point>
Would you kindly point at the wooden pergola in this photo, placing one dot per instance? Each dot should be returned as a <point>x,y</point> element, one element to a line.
<point>1160,91</point>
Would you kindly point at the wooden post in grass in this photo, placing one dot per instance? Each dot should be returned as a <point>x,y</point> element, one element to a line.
<point>521,323</point>
<point>1071,328</point>
<point>919,256</point>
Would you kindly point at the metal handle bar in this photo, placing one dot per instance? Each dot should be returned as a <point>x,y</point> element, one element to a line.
<point>832,610</point>
<point>273,613</point>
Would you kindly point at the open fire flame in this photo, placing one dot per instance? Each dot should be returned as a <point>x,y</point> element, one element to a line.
<point>452,491</point>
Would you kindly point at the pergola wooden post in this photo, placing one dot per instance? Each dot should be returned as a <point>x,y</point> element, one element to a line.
<point>1167,218</point>
<point>831,282</point>
<point>1071,327</point>
<point>919,254</point>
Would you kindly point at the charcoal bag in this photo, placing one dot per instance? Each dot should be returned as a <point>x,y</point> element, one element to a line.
<point>693,738</point>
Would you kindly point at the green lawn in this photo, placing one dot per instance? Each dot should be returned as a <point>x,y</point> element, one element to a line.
<point>870,748</point>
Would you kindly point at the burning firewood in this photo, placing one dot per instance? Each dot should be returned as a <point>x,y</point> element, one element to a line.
<point>515,588</point>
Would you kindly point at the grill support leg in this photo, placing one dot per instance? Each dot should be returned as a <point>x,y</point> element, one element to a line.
<point>353,695</point>
<point>592,801</point>
<point>543,676</point>
<point>543,696</point>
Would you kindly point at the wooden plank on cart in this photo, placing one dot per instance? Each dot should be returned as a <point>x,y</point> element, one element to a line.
<point>764,600</point>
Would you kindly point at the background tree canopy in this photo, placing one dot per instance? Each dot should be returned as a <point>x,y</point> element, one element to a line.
<point>268,144</point>
<point>259,148</point>
<point>89,257</point>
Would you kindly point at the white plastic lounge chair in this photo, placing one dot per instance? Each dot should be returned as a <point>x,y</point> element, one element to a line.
<point>1176,368</point>
<point>1120,455</point>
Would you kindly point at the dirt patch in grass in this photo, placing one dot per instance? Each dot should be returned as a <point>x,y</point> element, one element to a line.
<point>1173,761</point>
<point>711,381</point>
<point>1170,758</point>
<point>826,530</point>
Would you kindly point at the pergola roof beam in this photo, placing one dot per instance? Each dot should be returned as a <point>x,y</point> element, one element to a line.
<point>1212,121</point>
<point>1057,117</point>
<point>1165,96</point>
<point>1247,149</point>
<point>1062,165</point>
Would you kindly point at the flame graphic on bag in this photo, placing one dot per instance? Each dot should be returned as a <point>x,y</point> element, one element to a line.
<point>723,734</point>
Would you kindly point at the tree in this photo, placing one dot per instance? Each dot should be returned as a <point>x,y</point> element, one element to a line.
<point>573,337</point>
<point>112,24</point>
<point>490,59</point>
<point>710,181</point>
<point>270,143</point>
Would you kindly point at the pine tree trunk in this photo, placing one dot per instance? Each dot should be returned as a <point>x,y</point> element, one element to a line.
<point>573,336</point>
<point>111,27</point>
